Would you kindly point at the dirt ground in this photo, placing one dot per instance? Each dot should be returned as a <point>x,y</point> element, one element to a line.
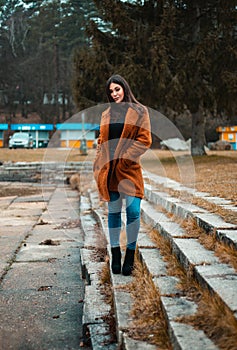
<point>16,190</point>
<point>215,173</point>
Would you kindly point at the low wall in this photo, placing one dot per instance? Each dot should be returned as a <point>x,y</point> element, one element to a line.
<point>45,172</point>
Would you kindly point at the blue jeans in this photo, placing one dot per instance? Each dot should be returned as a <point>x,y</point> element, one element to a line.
<point>132,218</point>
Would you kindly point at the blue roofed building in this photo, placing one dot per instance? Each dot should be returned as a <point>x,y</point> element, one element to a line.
<point>39,132</point>
<point>3,127</point>
<point>71,134</point>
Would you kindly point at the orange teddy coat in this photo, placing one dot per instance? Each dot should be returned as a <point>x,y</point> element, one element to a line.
<point>126,173</point>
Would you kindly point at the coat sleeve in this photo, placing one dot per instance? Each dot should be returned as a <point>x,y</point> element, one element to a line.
<point>141,142</point>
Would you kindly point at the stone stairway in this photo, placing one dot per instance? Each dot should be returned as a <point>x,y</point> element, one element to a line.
<point>45,172</point>
<point>207,278</point>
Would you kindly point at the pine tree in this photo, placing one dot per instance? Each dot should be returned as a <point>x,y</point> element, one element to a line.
<point>177,55</point>
<point>206,42</point>
<point>37,41</point>
<point>124,41</point>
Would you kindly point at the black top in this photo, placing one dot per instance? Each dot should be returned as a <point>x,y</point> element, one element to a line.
<point>117,118</point>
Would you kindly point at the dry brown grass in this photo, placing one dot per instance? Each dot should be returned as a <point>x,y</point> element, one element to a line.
<point>8,191</point>
<point>226,253</point>
<point>173,266</point>
<point>212,316</point>
<point>219,323</point>
<point>44,154</point>
<point>106,291</point>
<point>214,173</point>
<point>149,322</point>
<point>226,214</point>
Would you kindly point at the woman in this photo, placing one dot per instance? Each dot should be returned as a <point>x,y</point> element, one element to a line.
<point>124,136</point>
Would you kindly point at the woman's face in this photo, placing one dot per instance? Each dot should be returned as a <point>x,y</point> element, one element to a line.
<point>116,92</point>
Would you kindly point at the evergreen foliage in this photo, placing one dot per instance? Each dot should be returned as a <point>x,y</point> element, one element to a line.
<point>178,55</point>
<point>37,40</point>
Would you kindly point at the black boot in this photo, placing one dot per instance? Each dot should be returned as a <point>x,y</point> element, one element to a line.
<point>128,262</point>
<point>116,260</point>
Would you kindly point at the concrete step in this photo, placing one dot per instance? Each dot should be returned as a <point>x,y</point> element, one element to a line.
<point>49,165</point>
<point>95,307</point>
<point>46,172</point>
<point>173,307</point>
<point>219,278</point>
<point>211,223</point>
<point>182,336</point>
<point>96,331</point>
<point>158,181</point>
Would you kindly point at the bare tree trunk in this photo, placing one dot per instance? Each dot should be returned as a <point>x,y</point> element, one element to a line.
<point>56,70</point>
<point>198,132</point>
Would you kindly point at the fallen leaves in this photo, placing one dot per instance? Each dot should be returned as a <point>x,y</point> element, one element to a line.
<point>50,242</point>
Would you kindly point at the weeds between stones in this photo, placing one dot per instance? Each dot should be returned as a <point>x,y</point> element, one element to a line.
<point>219,323</point>
<point>149,322</point>
<point>106,290</point>
<point>226,253</point>
<point>226,214</point>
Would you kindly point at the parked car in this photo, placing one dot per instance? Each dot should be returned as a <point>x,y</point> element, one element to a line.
<point>20,140</point>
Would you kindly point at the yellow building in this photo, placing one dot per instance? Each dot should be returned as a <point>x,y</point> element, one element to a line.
<point>71,134</point>
<point>3,127</point>
<point>229,134</point>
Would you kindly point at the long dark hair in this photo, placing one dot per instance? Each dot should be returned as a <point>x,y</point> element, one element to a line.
<point>128,95</point>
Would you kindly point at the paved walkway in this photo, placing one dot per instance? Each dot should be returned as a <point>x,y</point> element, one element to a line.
<point>41,290</point>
